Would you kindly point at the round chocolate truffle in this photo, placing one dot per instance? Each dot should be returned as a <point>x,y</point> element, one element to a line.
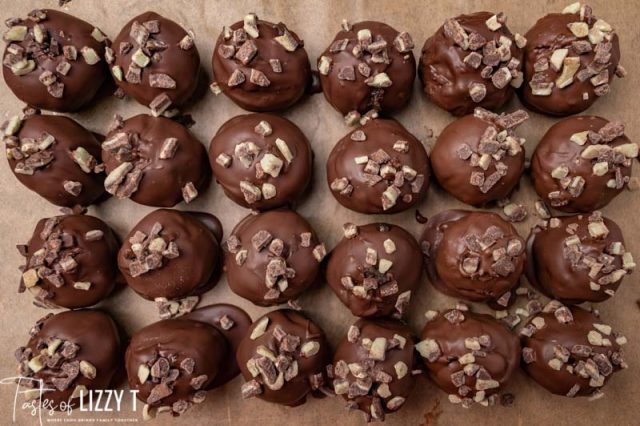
<point>479,158</point>
<point>71,353</point>
<point>70,262</point>
<point>56,158</point>
<point>260,66</point>
<point>472,60</point>
<point>368,66</point>
<point>154,161</point>
<point>171,255</point>
<point>374,269</point>
<point>156,62</point>
<point>373,367</point>
<point>469,356</point>
<point>272,257</point>
<point>283,358</point>
<point>569,61</point>
<point>577,259</point>
<point>54,61</point>
<point>570,351</point>
<point>476,256</point>
<point>378,168</point>
<point>262,161</point>
<point>582,163</point>
<point>171,363</point>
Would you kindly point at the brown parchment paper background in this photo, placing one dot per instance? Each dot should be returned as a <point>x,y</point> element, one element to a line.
<point>316,22</point>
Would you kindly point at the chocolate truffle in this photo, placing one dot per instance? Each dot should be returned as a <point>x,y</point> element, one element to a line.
<point>283,358</point>
<point>373,367</point>
<point>171,255</point>
<point>368,66</point>
<point>374,269</point>
<point>582,163</point>
<point>155,61</point>
<point>172,362</point>
<point>154,161</point>
<point>260,66</point>
<point>570,351</point>
<point>53,60</point>
<point>261,161</point>
<point>70,262</point>
<point>476,256</point>
<point>472,60</point>
<point>479,158</point>
<point>70,353</point>
<point>378,168</point>
<point>577,259</point>
<point>569,61</point>
<point>272,257</point>
<point>56,158</point>
<point>470,356</point>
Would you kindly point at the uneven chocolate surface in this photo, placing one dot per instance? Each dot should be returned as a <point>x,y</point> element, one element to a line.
<point>262,161</point>
<point>373,367</point>
<point>472,60</point>
<point>582,163</point>
<point>283,358</point>
<point>374,269</point>
<point>54,61</point>
<point>272,257</point>
<point>470,356</point>
<point>570,351</point>
<point>260,66</point>
<point>378,168</point>
<point>479,158</point>
<point>55,157</point>
<point>475,256</point>
<point>368,66</point>
<point>154,161</point>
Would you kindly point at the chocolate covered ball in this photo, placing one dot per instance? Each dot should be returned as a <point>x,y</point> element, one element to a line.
<point>262,161</point>
<point>378,168</point>
<point>374,269</point>
<point>570,351</point>
<point>272,257</point>
<point>70,262</point>
<point>479,158</point>
<point>470,356</point>
<point>70,354</point>
<point>368,66</point>
<point>582,163</point>
<point>577,259</point>
<point>154,161</point>
<point>260,66</point>
<point>283,358</point>
<point>472,60</point>
<point>476,256</point>
<point>155,61</point>
<point>56,158</point>
<point>54,61</point>
<point>569,61</point>
<point>373,367</point>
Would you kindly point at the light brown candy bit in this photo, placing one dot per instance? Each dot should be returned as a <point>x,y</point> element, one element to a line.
<point>453,30</point>
<point>162,81</point>
<point>159,104</point>
<point>380,80</point>
<point>324,65</point>
<point>169,148</point>
<point>186,43</point>
<point>429,349</point>
<point>319,252</point>
<point>117,175</point>
<point>250,192</point>
<point>563,315</point>
<point>477,91</point>
<point>82,285</point>
<point>501,78</point>
<point>310,349</point>
<point>515,212</point>
<point>571,66</point>
<point>250,26</point>
<point>260,328</point>
<point>30,278</point>
<point>276,66</point>
<point>258,78</point>
<point>236,78</point>
<point>350,230</point>
<point>251,389</point>
<point>403,42</point>
<point>263,128</point>
<point>246,52</point>
<point>598,229</point>
<point>269,191</point>
<point>287,40</point>
<point>72,187</point>
<point>271,165</point>
<point>189,192</point>
<point>390,197</point>
<point>629,150</point>
<point>493,23</point>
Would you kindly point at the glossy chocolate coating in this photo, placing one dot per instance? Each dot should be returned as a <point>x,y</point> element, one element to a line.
<point>248,277</point>
<point>388,289</point>
<point>48,181</point>
<point>293,177</point>
<point>192,272</point>
<point>357,95</point>
<point>556,149</point>
<point>364,195</point>
<point>81,82</point>
<point>285,87</point>
<point>446,77</point>
<point>445,246</point>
